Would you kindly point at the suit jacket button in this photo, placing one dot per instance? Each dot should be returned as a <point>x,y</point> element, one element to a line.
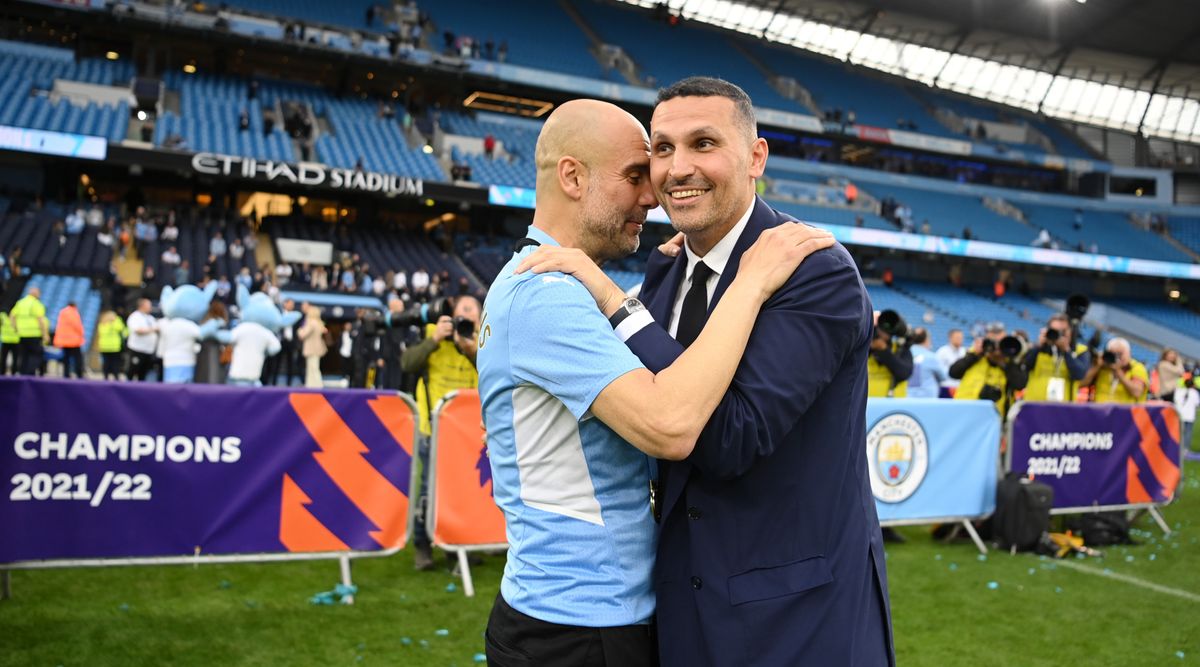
<point>697,583</point>
<point>693,513</point>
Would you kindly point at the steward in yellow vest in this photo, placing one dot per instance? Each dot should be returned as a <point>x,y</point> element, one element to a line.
<point>889,366</point>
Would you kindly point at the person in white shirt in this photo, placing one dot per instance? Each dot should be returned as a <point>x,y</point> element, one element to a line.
<point>400,281</point>
<point>1187,399</point>
<point>420,281</point>
<point>949,353</point>
<point>378,286</point>
<point>252,344</point>
<point>180,343</point>
<point>170,233</point>
<point>171,257</point>
<point>95,216</point>
<point>283,273</point>
<point>142,342</point>
<point>236,249</point>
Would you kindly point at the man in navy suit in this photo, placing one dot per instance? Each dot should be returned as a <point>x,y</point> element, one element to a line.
<point>769,550</point>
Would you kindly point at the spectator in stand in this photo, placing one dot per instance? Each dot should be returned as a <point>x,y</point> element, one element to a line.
<point>182,274</point>
<point>400,281</point>
<point>110,339</point>
<point>244,278</point>
<point>1043,239</point>
<point>243,121</point>
<point>283,274</point>
<point>75,222</point>
<point>378,286</point>
<point>312,336</point>
<point>420,281</point>
<point>217,246</point>
<point>224,288</point>
<point>489,145</point>
<point>170,233</point>
<point>95,216</point>
<point>237,250</point>
<point>366,284</point>
<point>302,274</point>
<point>143,341</point>
<point>349,280</point>
<point>68,337</point>
<point>170,258</point>
<point>320,279</point>
<point>106,235</point>
<point>250,240</point>
<point>1170,372</point>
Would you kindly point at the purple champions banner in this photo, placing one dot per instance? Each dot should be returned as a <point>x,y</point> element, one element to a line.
<point>119,470</point>
<point>1098,455</point>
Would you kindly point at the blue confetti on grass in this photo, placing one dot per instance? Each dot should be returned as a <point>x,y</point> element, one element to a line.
<point>406,641</point>
<point>123,607</point>
<point>981,558</point>
<point>451,587</point>
<point>1129,559</point>
<point>423,643</point>
<point>224,585</point>
<point>1180,654</point>
<point>1057,589</point>
<point>953,566</point>
<point>442,632</point>
<point>993,585</point>
<point>479,657</point>
<point>1153,556</point>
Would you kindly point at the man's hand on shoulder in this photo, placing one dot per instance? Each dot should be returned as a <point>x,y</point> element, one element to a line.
<point>777,253</point>
<point>573,262</point>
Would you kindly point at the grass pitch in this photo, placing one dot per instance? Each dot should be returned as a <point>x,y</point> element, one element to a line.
<point>1138,605</point>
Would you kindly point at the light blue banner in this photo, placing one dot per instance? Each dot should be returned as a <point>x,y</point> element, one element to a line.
<point>931,458</point>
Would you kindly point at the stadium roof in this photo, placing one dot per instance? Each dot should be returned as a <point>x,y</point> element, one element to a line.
<point>1132,65</point>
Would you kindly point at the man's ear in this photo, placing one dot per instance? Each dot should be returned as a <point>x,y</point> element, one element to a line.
<point>572,177</point>
<point>758,157</point>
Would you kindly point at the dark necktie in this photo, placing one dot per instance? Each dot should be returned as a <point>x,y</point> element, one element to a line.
<point>695,306</point>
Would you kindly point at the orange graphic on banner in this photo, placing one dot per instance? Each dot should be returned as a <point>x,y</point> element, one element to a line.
<point>341,457</point>
<point>465,513</point>
<point>299,530</point>
<point>1134,491</point>
<point>1166,472</point>
<point>396,417</point>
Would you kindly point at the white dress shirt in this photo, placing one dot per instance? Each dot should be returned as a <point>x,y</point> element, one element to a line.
<point>716,259</point>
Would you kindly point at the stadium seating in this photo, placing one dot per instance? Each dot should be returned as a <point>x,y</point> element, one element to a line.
<point>1112,232</point>
<point>58,291</point>
<point>691,51</point>
<point>210,108</point>
<point>28,73</point>
<point>383,250</point>
<point>359,133</point>
<point>352,14</point>
<point>44,250</point>
<point>552,41</point>
<point>873,100</point>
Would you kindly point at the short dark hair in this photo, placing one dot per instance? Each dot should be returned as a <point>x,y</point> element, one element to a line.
<point>707,86</point>
<point>920,335</point>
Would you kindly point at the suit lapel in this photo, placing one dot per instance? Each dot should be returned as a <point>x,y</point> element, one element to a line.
<point>661,299</point>
<point>760,219</point>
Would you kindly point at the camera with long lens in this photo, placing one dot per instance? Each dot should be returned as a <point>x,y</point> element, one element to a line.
<point>425,313</point>
<point>372,323</point>
<point>1009,346</point>
<point>464,327</point>
<point>1109,358</point>
<point>1076,309</point>
<point>1052,335</point>
<point>891,323</point>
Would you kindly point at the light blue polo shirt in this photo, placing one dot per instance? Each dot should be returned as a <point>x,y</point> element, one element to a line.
<point>576,497</point>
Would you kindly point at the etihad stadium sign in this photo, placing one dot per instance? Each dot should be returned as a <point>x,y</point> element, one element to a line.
<point>308,174</point>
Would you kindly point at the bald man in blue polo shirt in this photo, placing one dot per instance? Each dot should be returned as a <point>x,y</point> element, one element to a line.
<point>571,414</point>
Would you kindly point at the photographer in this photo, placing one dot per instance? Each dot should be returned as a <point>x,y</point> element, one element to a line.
<point>445,360</point>
<point>390,375</point>
<point>991,370</point>
<point>1117,376</point>
<point>890,364</point>
<point>1057,363</point>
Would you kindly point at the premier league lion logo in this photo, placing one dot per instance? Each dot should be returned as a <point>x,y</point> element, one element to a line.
<point>898,453</point>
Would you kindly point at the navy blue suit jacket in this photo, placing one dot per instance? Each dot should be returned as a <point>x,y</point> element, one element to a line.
<point>770,551</point>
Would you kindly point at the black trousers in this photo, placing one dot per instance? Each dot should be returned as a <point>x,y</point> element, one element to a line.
<point>514,639</point>
<point>72,362</point>
<point>9,351</point>
<point>31,355</point>
<point>140,365</point>
<point>112,365</point>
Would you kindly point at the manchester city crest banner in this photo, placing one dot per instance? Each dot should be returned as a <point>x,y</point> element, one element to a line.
<point>932,459</point>
<point>134,470</point>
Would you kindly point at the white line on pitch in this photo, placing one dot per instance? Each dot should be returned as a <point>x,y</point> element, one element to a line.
<point>1192,597</point>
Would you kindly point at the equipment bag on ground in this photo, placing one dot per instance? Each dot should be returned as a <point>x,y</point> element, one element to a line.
<point>1022,512</point>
